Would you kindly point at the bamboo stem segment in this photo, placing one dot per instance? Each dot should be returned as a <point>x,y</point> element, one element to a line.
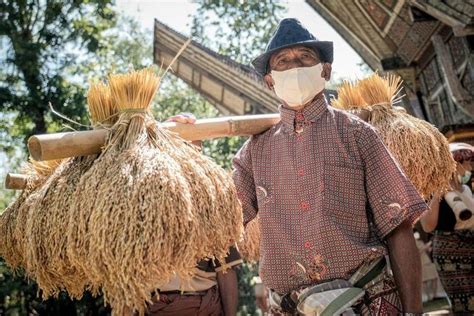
<point>83,143</point>
<point>15,181</point>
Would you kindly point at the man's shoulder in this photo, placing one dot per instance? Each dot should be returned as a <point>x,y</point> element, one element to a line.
<point>265,135</point>
<point>347,120</point>
<point>345,116</point>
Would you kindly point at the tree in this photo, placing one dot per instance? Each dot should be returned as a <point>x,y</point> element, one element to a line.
<point>43,38</point>
<point>235,28</point>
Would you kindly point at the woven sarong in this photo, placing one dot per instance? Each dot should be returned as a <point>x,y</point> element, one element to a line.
<point>453,253</point>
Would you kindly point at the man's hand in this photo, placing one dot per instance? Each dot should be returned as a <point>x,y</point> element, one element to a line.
<point>261,296</point>
<point>184,118</point>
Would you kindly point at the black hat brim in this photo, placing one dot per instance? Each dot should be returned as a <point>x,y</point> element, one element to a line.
<point>324,48</point>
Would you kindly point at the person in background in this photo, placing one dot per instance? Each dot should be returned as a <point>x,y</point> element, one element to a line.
<point>450,218</point>
<point>212,291</point>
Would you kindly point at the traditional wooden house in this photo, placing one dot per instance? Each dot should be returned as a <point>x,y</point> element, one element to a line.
<point>233,88</point>
<point>428,42</point>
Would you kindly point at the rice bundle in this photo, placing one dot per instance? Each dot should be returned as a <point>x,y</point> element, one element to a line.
<point>46,246</point>
<point>150,206</point>
<point>13,218</point>
<point>249,245</point>
<point>420,149</point>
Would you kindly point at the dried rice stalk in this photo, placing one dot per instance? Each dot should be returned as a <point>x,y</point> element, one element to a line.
<point>249,246</point>
<point>48,262</point>
<point>102,112</point>
<point>151,205</point>
<point>420,149</point>
<point>349,97</point>
<point>13,218</point>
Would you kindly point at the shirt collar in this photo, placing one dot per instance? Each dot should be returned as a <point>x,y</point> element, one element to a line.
<point>309,113</point>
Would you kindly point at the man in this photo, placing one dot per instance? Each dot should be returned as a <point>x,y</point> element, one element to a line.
<point>212,291</point>
<point>331,199</point>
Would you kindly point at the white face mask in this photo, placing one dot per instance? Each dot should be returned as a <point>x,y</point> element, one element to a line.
<point>298,86</point>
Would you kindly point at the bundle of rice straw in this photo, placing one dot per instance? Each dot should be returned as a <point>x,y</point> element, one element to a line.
<point>151,205</point>
<point>420,149</point>
<point>249,245</point>
<point>13,218</point>
<point>46,247</point>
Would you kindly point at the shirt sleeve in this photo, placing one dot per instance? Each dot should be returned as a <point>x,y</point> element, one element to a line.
<point>244,182</point>
<point>392,198</point>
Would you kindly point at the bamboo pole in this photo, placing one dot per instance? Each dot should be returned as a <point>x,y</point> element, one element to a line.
<point>15,181</point>
<point>72,144</point>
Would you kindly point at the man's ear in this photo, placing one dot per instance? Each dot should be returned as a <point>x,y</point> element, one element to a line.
<point>269,81</point>
<point>326,73</point>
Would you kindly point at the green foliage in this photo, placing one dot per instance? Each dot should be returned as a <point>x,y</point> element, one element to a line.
<point>18,296</point>
<point>235,28</point>
<point>42,39</point>
<point>247,303</point>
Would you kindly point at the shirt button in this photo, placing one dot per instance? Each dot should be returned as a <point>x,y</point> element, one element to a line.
<point>304,206</point>
<point>301,172</point>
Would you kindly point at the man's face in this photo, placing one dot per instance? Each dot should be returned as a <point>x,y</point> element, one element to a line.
<point>293,57</point>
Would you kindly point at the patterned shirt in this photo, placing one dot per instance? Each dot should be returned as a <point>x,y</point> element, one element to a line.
<point>327,192</point>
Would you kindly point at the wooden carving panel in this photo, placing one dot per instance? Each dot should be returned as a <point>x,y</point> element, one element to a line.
<point>398,30</point>
<point>185,71</point>
<point>211,87</point>
<point>457,50</point>
<point>468,81</point>
<point>416,39</point>
<point>389,3</point>
<point>431,75</point>
<point>376,13</point>
<point>234,101</point>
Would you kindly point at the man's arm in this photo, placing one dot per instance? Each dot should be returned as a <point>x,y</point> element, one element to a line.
<point>429,219</point>
<point>395,205</point>
<point>228,290</point>
<point>244,182</point>
<point>406,266</point>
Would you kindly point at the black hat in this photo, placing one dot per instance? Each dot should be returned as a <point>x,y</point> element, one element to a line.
<point>290,33</point>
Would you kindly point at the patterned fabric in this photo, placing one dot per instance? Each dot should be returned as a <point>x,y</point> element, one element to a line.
<point>453,253</point>
<point>332,302</point>
<point>380,298</point>
<point>327,195</point>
